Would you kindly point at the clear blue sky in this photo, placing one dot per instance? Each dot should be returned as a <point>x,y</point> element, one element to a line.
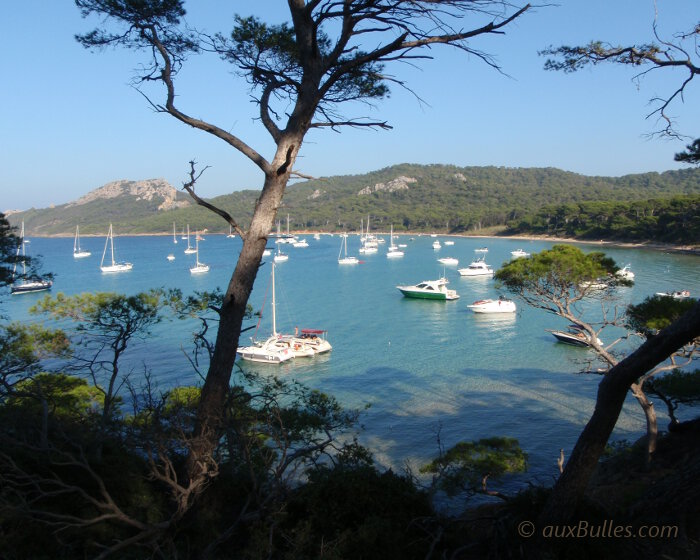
<point>71,122</point>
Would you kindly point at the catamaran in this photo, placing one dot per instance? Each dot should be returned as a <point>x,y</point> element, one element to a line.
<point>25,286</point>
<point>78,253</point>
<point>268,351</point>
<point>115,266</point>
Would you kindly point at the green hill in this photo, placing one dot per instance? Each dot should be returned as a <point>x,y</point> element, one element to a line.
<point>409,196</point>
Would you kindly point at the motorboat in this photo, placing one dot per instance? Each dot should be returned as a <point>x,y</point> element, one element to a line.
<point>477,268</point>
<point>482,250</point>
<point>449,242</point>
<point>449,261</point>
<point>300,243</point>
<point>267,252</point>
<point>574,336</point>
<point>306,344</point>
<point>436,245</point>
<point>115,266</point>
<point>519,253</point>
<point>170,257</point>
<point>429,289</point>
<point>78,253</point>
<point>499,305</point>
<point>625,273</point>
<point>597,284</point>
<point>681,294</point>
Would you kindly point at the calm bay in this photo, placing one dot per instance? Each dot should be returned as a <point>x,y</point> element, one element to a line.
<point>424,367</point>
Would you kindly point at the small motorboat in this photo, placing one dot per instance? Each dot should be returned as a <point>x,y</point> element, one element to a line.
<point>625,273</point>
<point>170,257</point>
<point>449,261</point>
<point>574,336</point>
<point>436,245</point>
<point>482,250</point>
<point>519,253</point>
<point>499,305</point>
<point>682,294</point>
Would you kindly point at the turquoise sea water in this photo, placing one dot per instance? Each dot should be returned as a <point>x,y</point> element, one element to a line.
<point>423,366</point>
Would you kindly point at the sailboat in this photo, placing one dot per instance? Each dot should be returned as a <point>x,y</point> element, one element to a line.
<point>115,266</point>
<point>78,253</point>
<point>230,232</point>
<point>269,351</point>
<point>183,236</point>
<point>344,251</point>
<point>369,242</point>
<point>189,249</point>
<point>394,251</point>
<point>25,286</point>
<point>174,235</point>
<point>199,267</point>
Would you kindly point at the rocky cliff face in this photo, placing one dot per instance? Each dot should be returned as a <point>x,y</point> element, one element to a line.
<point>399,184</point>
<point>142,190</point>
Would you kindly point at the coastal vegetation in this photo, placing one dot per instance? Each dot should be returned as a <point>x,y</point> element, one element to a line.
<point>664,220</point>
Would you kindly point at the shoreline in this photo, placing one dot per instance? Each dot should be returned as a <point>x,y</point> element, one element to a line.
<point>666,247</point>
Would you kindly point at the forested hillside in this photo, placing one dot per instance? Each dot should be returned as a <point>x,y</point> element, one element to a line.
<point>672,220</point>
<point>412,197</point>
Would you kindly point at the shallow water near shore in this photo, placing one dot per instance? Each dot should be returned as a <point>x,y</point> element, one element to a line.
<point>423,367</point>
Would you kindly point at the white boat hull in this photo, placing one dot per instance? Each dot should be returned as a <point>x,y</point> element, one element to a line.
<point>493,306</point>
<point>123,267</point>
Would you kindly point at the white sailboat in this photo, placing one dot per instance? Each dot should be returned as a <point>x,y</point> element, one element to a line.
<point>174,235</point>
<point>230,231</point>
<point>280,256</point>
<point>344,251</point>
<point>78,253</point>
<point>270,351</point>
<point>393,252</point>
<point>114,266</point>
<point>198,268</point>
<point>25,286</point>
<point>190,250</point>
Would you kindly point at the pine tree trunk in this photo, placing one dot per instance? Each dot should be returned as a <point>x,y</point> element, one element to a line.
<point>212,406</point>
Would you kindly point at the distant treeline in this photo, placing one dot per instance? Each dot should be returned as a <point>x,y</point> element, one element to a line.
<point>669,220</point>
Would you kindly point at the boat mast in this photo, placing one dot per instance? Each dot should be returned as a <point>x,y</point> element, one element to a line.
<point>111,242</point>
<point>274,319</point>
<point>196,244</point>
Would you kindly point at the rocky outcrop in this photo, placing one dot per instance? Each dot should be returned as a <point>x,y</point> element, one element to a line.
<point>317,193</point>
<point>399,184</point>
<point>142,190</point>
